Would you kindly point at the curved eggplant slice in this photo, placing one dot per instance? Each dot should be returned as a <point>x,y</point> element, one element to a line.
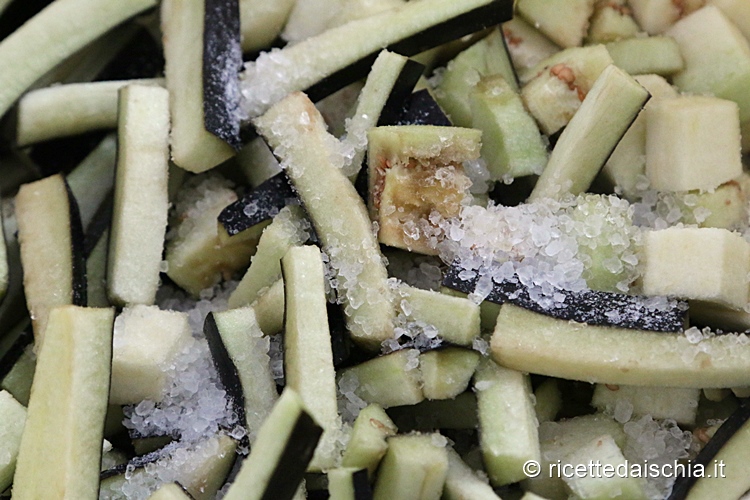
<point>26,55</point>
<point>258,205</point>
<point>724,462</point>
<point>222,63</point>
<point>589,306</point>
<point>406,30</point>
<point>480,18</point>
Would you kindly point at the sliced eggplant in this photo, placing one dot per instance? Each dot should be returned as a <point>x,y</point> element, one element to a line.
<point>13,418</point>
<point>390,380</point>
<point>462,482</point>
<point>65,110</point>
<point>289,228</point>
<point>284,447</point>
<point>707,265</point>
<point>535,343</point>
<point>14,14</point>
<point>139,218</point>
<point>591,135</point>
<point>508,429</point>
<point>457,319</point>
<point>261,22</point>
<point>308,356</point>
<point>403,165</point>
<point>296,131</point>
<point>723,462</point>
<point>415,466</point>
<point>222,62</point>
<point>259,205</point>
<point>240,354</point>
<point>201,468</point>
<point>35,48</point>
<point>60,453</point>
<point>588,307</point>
<point>389,83</point>
<point>269,308</point>
<point>368,442</point>
<point>446,372</point>
<point>51,240</point>
<point>192,147</point>
<point>141,359</point>
<point>407,30</point>
<point>196,254</point>
<point>92,180</point>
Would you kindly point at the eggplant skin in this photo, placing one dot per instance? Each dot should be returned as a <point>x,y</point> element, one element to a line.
<point>258,205</point>
<point>228,375</point>
<point>222,63</point>
<point>470,22</point>
<point>589,306</point>
<point>724,435</point>
<point>77,252</point>
<point>299,449</point>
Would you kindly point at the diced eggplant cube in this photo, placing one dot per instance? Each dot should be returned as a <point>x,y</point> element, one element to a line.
<point>692,143</point>
<point>415,466</point>
<point>704,264</point>
<point>146,341</point>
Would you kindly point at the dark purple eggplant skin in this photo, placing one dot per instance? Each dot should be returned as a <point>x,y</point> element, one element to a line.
<point>400,92</point>
<point>77,252</point>
<point>728,430</point>
<point>290,469</point>
<point>227,371</point>
<point>421,109</point>
<point>473,21</point>
<point>588,306</point>
<point>222,63</point>
<point>267,199</point>
<point>478,19</point>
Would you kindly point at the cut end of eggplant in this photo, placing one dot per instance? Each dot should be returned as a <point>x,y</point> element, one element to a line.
<point>589,306</point>
<point>222,63</point>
